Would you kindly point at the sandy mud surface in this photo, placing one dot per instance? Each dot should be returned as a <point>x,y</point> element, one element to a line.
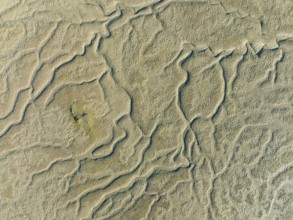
<point>146,109</point>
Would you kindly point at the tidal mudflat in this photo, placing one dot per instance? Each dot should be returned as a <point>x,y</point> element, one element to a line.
<point>146,109</point>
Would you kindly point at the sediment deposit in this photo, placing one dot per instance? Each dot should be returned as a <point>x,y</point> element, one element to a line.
<point>146,109</point>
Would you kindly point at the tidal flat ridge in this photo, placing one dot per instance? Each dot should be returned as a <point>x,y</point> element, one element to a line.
<point>146,109</point>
